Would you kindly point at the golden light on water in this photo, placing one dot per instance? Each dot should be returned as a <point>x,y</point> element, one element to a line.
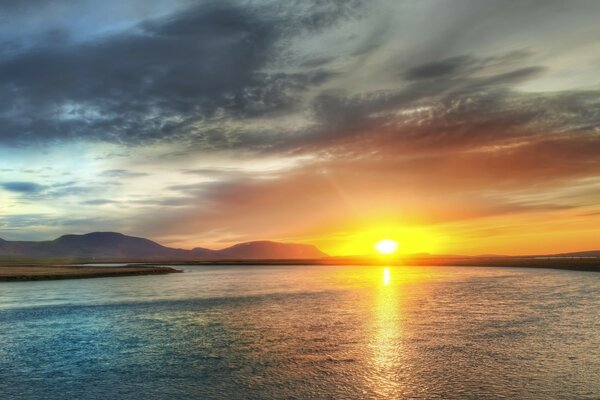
<point>387,278</point>
<point>387,344</point>
<point>386,246</point>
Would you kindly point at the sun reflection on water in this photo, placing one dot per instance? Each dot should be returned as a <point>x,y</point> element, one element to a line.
<point>387,334</point>
<point>386,276</point>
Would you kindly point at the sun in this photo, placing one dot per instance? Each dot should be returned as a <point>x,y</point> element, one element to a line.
<point>386,246</point>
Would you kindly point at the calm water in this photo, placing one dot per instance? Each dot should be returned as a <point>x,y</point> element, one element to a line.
<point>304,332</point>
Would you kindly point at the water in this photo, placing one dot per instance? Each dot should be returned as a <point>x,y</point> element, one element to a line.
<point>304,332</point>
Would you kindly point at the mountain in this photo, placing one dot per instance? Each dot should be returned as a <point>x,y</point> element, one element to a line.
<point>202,252</point>
<point>269,250</point>
<point>103,245</point>
<point>112,244</point>
<point>116,246</point>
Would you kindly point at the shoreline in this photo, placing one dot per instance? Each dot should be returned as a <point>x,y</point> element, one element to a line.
<point>23,273</point>
<point>569,264</point>
<point>15,272</point>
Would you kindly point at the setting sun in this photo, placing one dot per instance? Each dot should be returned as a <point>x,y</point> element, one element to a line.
<point>386,246</point>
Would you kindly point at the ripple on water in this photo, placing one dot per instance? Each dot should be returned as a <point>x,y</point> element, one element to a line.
<point>304,332</point>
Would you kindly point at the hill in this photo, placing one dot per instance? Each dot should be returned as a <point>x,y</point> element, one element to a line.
<point>269,250</point>
<point>116,246</point>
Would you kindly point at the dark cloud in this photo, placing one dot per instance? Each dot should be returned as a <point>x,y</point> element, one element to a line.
<point>130,86</point>
<point>22,187</point>
<point>453,104</point>
<point>438,68</point>
<point>157,81</point>
<point>186,77</point>
<point>32,191</point>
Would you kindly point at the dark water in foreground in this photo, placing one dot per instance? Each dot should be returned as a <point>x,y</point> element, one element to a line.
<point>304,332</point>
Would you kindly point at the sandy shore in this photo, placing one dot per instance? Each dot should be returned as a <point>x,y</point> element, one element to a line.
<point>38,272</point>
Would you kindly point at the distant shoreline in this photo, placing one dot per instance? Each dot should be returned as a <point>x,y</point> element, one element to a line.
<point>47,270</point>
<point>19,273</point>
<point>591,264</point>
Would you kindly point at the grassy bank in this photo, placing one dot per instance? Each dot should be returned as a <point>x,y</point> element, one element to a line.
<point>52,272</point>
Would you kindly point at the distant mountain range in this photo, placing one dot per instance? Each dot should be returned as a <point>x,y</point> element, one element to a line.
<point>116,246</point>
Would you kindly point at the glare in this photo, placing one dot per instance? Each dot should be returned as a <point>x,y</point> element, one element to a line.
<point>386,276</point>
<point>386,246</point>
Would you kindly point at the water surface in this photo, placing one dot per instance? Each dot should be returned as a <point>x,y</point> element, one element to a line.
<point>318,332</point>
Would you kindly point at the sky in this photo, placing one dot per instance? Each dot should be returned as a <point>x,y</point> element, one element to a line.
<point>463,127</point>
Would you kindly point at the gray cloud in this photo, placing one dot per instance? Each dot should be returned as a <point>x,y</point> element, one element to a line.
<point>457,103</point>
<point>97,202</point>
<point>121,173</point>
<point>32,191</point>
<point>156,81</point>
<point>136,85</point>
<point>11,222</point>
<point>438,69</point>
<point>195,76</point>
<point>22,187</point>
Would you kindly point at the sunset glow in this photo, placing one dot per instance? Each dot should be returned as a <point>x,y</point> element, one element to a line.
<point>386,246</point>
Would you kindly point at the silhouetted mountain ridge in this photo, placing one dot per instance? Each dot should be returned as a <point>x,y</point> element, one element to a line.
<point>117,246</point>
<point>112,244</point>
<point>275,250</point>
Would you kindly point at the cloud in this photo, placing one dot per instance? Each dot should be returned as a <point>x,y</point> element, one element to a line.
<point>157,81</point>
<point>121,173</point>
<point>41,226</point>
<point>22,187</point>
<point>32,191</point>
<point>97,202</point>
<point>437,69</point>
<point>11,222</point>
<point>214,76</point>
